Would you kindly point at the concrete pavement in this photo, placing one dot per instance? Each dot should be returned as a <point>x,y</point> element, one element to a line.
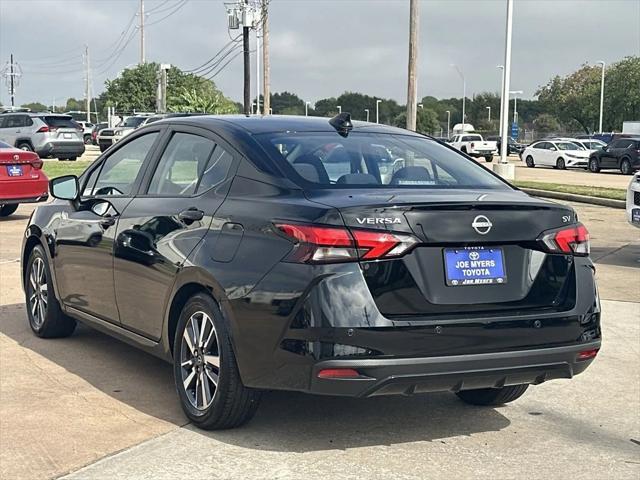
<point>67,403</point>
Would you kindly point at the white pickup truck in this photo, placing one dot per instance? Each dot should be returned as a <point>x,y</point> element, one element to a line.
<point>473,145</point>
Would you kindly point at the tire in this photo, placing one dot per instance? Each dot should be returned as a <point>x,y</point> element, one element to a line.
<point>102,148</point>
<point>46,318</point>
<point>211,363</point>
<point>625,167</point>
<point>488,158</point>
<point>492,396</point>
<point>560,165</point>
<point>6,210</point>
<point>87,139</point>
<point>529,161</point>
<point>26,146</point>
<point>63,159</point>
<point>72,159</point>
<point>594,165</point>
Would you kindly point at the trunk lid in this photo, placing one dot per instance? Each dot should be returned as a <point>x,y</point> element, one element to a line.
<point>499,226</point>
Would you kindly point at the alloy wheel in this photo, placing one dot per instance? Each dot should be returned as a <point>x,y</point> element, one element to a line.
<point>38,293</point>
<point>200,360</point>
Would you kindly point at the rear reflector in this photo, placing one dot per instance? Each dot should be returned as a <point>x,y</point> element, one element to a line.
<point>338,373</point>
<point>573,240</point>
<point>324,244</point>
<point>587,354</point>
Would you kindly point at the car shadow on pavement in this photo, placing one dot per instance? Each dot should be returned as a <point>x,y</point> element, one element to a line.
<point>285,421</point>
<point>13,218</point>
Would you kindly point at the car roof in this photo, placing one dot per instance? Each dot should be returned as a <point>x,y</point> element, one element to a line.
<point>281,123</point>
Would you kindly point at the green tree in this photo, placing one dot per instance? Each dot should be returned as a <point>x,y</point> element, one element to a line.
<point>426,121</point>
<point>135,89</point>
<point>35,107</point>
<point>546,123</point>
<point>205,100</point>
<point>577,96</point>
<point>287,103</point>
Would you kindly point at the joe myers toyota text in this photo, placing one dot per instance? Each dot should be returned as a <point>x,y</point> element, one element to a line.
<point>314,255</point>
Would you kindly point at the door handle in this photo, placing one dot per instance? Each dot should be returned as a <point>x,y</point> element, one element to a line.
<point>191,215</point>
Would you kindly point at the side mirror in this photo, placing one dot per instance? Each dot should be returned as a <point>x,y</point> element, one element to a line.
<point>604,148</point>
<point>65,187</point>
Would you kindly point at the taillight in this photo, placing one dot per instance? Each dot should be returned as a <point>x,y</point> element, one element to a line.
<point>316,244</point>
<point>572,240</point>
<point>587,354</point>
<point>37,164</point>
<point>44,129</point>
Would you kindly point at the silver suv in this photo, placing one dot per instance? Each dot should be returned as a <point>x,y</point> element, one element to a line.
<point>47,134</point>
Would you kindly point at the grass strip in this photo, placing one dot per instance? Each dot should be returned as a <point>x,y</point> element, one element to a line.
<point>599,192</point>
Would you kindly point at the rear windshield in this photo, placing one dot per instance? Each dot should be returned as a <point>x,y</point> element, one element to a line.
<point>374,160</point>
<point>60,122</point>
<point>4,145</point>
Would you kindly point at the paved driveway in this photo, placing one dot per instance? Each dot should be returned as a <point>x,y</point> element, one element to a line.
<point>68,403</point>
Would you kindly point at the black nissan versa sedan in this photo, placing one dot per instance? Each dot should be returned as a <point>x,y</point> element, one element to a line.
<point>316,255</point>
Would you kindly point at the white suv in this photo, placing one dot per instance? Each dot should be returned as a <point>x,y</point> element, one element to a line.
<point>47,134</point>
<point>633,201</point>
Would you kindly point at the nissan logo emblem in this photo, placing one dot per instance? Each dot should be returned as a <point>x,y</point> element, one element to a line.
<point>481,224</point>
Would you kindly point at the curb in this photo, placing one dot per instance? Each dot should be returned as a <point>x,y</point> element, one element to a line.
<point>572,197</point>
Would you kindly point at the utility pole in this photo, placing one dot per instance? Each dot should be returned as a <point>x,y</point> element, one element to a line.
<point>412,80</point>
<point>88,86</point>
<point>257,69</point>
<point>601,94</point>
<point>489,119</point>
<point>12,86</point>
<point>12,73</point>
<point>266,86</point>
<point>247,67</point>
<point>161,102</point>
<point>142,58</point>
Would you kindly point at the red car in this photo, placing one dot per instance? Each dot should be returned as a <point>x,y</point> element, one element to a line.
<point>21,179</point>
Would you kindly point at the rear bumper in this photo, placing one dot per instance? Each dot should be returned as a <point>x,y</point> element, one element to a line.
<point>9,201</point>
<point>61,149</point>
<point>451,373</point>
<point>24,191</point>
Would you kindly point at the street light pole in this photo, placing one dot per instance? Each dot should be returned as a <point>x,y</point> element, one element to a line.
<point>501,67</point>
<point>306,109</point>
<point>489,108</point>
<point>506,80</point>
<point>378,111</point>
<point>515,104</point>
<point>367,110</point>
<point>601,94</point>
<point>464,92</point>
<point>448,122</point>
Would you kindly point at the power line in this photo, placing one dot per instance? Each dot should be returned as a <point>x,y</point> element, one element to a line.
<point>178,7</point>
<point>207,64</point>
<point>154,9</point>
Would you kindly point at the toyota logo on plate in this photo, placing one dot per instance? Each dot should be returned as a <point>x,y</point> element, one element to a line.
<point>481,224</point>
<point>474,255</point>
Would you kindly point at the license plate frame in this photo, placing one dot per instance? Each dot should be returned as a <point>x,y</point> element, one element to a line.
<point>473,266</point>
<point>635,215</point>
<point>67,136</point>
<point>15,170</point>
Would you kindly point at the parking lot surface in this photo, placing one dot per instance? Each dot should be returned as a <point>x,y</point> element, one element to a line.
<point>94,408</point>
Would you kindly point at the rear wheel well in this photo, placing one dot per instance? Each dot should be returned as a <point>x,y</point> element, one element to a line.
<point>179,300</point>
<point>23,141</point>
<point>28,247</point>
